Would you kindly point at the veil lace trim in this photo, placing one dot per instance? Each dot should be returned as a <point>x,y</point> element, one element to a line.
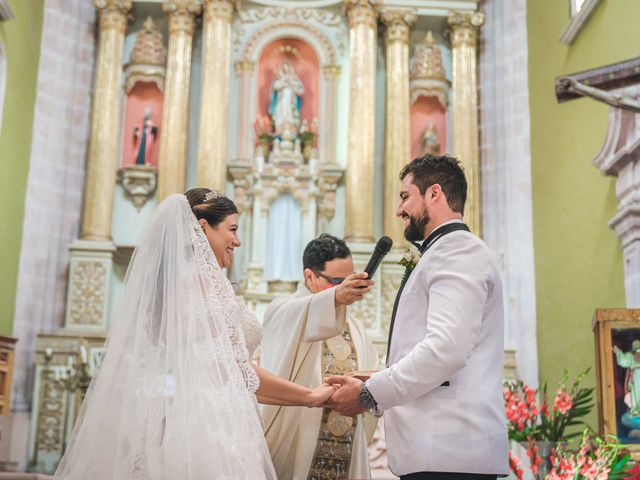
<point>222,299</point>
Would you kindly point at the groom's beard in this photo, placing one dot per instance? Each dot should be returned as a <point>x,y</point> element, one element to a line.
<point>415,230</point>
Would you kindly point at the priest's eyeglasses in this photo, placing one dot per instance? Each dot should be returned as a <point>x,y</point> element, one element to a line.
<point>332,280</point>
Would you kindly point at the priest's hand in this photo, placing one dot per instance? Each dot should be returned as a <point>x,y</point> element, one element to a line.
<point>353,288</point>
<point>345,399</point>
<point>319,396</point>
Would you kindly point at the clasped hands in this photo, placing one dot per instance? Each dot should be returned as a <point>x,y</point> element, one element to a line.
<point>340,393</point>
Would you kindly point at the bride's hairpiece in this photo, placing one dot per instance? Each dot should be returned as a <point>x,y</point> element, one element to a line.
<point>212,195</point>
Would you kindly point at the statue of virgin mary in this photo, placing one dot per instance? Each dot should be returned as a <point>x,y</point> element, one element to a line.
<point>286,97</point>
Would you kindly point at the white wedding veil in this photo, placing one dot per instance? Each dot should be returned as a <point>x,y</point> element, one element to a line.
<point>174,397</point>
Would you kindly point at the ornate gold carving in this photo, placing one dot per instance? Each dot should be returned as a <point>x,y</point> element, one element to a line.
<point>50,426</point>
<point>181,15</point>
<point>139,182</point>
<point>88,284</point>
<point>427,75</point>
<point>361,12</point>
<point>365,310</point>
<point>219,9</point>
<point>296,181</point>
<point>398,23</point>
<point>331,72</point>
<point>241,174</point>
<point>244,67</point>
<point>148,58</point>
<point>250,45</point>
<point>323,17</point>
<point>148,49</point>
<point>113,14</point>
<point>428,62</point>
<point>328,178</point>
<point>464,28</point>
<point>390,284</point>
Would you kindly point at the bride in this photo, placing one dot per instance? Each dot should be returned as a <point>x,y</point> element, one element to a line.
<point>175,398</point>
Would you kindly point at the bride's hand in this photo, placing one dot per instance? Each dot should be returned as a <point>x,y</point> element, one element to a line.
<point>318,396</point>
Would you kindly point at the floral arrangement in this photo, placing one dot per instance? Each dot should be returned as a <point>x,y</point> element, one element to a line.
<point>596,459</point>
<point>409,261</point>
<point>529,420</point>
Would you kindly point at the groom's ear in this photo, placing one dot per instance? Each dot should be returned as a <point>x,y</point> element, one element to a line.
<point>203,223</point>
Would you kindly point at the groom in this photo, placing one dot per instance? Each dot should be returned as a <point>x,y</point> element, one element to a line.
<point>441,392</point>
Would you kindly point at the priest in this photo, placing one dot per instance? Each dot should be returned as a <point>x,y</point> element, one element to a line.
<point>307,337</point>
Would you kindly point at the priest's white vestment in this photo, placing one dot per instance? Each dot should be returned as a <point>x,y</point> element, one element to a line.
<point>293,332</point>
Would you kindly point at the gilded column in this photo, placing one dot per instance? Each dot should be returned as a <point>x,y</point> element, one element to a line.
<point>244,70</point>
<point>397,132</point>
<point>103,143</point>
<point>331,74</point>
<point>362,15</point>
<point>214,106</point>
<point>464,34</point>
<point>173,143</point>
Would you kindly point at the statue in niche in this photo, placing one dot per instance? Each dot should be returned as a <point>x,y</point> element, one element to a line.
<point>286,98</point>
<point>144,138</point>
<point>430,141</point>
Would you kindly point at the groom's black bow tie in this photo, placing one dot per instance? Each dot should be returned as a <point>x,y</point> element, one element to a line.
<point>436,235</point>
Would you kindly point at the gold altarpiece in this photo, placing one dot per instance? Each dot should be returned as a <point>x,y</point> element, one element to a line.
<point>362,65</point>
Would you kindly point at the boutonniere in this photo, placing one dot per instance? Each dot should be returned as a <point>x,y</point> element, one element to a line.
<point>409,261</point>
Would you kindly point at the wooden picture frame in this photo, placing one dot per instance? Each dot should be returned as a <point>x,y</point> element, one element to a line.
<point>619,328</point>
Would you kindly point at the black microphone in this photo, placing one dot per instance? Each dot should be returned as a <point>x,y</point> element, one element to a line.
<point>379,252</point>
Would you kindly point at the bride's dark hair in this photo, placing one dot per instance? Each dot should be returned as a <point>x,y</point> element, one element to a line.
<point>214,209</point>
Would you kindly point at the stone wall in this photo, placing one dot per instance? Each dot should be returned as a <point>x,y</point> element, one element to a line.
<point>56,173</point>
<point>506,172</point>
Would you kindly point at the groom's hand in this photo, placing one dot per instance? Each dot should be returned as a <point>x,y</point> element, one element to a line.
<point>345,399</point>
<point>353,288</point>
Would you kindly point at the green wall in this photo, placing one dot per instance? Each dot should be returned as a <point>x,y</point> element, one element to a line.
<point>21,40</point>
<point>578,259</point>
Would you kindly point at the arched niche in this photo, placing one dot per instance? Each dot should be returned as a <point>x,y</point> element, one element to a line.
<point>325,98</point>
<point>143,98</point>
<point>305,62</point>
<point>424,111</point>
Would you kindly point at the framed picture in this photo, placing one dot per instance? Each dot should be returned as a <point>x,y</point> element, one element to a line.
<point>617,343</point>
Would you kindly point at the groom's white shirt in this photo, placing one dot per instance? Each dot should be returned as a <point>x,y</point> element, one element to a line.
<point>449,327</point>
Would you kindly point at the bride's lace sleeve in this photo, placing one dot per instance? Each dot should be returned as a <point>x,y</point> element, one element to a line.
<point>251,327</point>
<point>222,299</point>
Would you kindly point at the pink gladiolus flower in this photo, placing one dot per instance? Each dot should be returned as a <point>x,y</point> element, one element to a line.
<point>563,402</point>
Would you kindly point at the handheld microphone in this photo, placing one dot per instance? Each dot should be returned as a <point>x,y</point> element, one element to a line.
<point>379,252</point>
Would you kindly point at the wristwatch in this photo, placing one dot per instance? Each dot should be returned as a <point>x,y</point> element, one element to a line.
<point>365,399</point>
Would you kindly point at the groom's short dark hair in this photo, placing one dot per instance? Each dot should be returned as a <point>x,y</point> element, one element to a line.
<point>322,250</point>
<point>444,170</point>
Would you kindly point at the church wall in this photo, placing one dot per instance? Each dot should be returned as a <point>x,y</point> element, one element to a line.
<point>21,39</point>
<point>578,258</point>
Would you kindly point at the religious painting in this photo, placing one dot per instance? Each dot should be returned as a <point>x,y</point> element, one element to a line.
<point>617,343</point>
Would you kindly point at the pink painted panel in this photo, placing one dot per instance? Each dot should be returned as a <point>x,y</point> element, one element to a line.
<point>424,111</point>
<point>142,96</point>
<point>307,66</point>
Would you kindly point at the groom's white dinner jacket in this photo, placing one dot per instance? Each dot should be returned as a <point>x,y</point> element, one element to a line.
<point>449,327</point>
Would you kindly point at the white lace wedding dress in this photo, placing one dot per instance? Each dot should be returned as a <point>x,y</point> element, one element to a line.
<point>175,395</point>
